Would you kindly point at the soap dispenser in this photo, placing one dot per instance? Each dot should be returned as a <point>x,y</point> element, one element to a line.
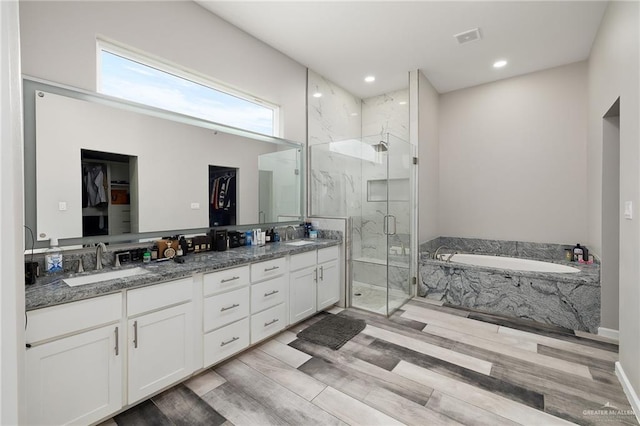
<point>53,257</point>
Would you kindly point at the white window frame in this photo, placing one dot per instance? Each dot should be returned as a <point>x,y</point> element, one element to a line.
<point>180,72</point>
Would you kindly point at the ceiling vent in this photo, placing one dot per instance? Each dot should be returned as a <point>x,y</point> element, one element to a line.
<point>468,36</point>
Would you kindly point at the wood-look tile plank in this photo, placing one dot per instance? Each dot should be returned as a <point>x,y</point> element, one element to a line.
<point>395,327</point>
<point>564,345</point>
<point>284,353</point>
<point>577,410</point>
<point>204,382</point>
<point>482,381</point>
<point>541,381</point>
<point>494,336</point>
<point>462,360</point>
<point>575,357</point>
<point>428,301</point>
<point>337,378</point>
<point>408,412</point>
<point>544,330</point>
<point>444,319</point>
<point>542,360</point>
<point>357,367</point>
<point>465,413</point>
<point>143,414</point>
<point>285,337</point>
<point>397,318</point>
<point>596,337</point>
<point>608,377</point>
<point>290,407</point>
<point>282,373</point>
<point>335,310</point>
<point>486,400</point>
<point>184,408</point>
<point>350,410</point>
<point>240,408</point>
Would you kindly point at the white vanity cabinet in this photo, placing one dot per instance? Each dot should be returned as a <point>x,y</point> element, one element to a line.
<point>161,336</point>
<point>269,298</point>
<point>225,313</point>
<point>74,365</point>
<point>328,283</point>
<point>314,282</point>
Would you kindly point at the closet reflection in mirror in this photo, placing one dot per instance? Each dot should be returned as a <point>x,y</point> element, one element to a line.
<point>222,187</point>
<point>106,193</point>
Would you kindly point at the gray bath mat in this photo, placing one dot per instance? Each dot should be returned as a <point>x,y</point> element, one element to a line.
<point>333,331</point>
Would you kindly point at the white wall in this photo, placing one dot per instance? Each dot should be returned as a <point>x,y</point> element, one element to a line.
<point>11,219</point>
<point>429,155</point>
<point>513,158</point>
<point>59,44</point>
<point>613,72</point>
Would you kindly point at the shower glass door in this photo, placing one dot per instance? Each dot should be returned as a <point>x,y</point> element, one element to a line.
<point>399,164</point>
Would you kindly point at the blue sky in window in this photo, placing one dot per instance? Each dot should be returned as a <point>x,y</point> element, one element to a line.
<point>130,80</point>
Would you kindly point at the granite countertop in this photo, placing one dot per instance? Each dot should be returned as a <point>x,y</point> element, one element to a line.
<point>588,275</point>
<point>50,290</point>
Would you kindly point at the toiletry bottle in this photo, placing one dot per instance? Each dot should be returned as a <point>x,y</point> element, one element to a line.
<point>146,257</point>
<point>585,254</point>
<point>267,237</point>
<point>248,237</point>
<point>154,252</point>
<point>577,251</point>
<point>53,257</point>
<point>276,236</point>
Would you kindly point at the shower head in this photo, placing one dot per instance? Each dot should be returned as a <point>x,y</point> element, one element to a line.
<point>380,147</point>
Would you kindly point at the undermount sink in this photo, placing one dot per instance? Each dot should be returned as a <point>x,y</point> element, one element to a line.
<point>299,243</point>
<point>104,276</point>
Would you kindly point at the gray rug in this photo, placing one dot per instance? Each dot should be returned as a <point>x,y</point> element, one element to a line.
<point>333,331</point>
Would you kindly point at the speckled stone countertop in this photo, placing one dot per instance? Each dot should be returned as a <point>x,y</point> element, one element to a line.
<point>588,275</point>
<point>50,290</point>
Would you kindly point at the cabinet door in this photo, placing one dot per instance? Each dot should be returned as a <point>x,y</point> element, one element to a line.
<point>77,379</point>
<point>328,284</point>
<point>302,290</point>
<point>160,349</point>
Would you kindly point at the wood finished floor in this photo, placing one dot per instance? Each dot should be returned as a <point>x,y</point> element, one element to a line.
<point>426,365</point>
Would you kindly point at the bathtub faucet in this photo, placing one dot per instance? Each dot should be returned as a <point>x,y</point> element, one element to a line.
<point>448,259</point>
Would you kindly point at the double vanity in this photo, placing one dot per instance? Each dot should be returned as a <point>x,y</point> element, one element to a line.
<point>114,338</point>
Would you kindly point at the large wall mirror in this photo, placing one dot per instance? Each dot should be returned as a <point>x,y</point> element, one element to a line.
<point>98,169</point>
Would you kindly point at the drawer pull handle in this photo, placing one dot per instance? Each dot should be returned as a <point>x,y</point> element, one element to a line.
<point>135,334</point>
<point>273,321</point>
<point>229,279</point>
<point>226,308</point>
<point>273,268</point>
<point>315,275</point>
<point>229,341</point>
<point>322,273</point>
<point>271,293</point>
<point>117,342</point>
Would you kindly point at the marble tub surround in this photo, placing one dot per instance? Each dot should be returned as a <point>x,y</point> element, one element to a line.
<point>51,290</point>
<point>524,249</point>
<point>566,300</point>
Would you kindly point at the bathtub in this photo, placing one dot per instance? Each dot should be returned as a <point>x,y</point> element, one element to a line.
<point>511,263</point>
<point>547,292</point>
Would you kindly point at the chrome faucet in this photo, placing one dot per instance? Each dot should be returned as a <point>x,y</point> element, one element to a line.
<point>286,233</point>
<point>448,259</point>
<point>100,248</point>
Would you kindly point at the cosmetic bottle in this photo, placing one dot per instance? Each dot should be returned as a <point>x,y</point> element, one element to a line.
<point>53,257</point>
<point>577,252</point>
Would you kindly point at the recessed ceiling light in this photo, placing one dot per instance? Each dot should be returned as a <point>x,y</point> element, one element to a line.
<point>354,114</point>
<point>499,64</point>
<point>402,103</point>
<point>369,79</point>
<point>317,95</point>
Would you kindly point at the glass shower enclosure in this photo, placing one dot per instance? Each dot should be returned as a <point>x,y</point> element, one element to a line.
<point>369,180</point>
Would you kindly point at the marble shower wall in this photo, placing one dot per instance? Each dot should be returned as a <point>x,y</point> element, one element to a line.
<point>338,182</point>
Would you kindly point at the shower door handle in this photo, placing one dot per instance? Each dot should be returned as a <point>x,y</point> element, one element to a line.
<point>385,225</point>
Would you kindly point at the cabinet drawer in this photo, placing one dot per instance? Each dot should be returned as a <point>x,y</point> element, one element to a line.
<point>268,293</point>
<point>59,320</point>
<point>270,268</point>
<point>302,260</point>
<point>269,322</point>
<point>223,343</point>
<point>225,308</point>
<point>225,280</point>
<point>328,254</point>
<point>158,296</point>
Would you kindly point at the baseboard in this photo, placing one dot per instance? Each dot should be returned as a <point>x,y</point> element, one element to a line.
<point>631,394</point>
<point>608,332</point>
